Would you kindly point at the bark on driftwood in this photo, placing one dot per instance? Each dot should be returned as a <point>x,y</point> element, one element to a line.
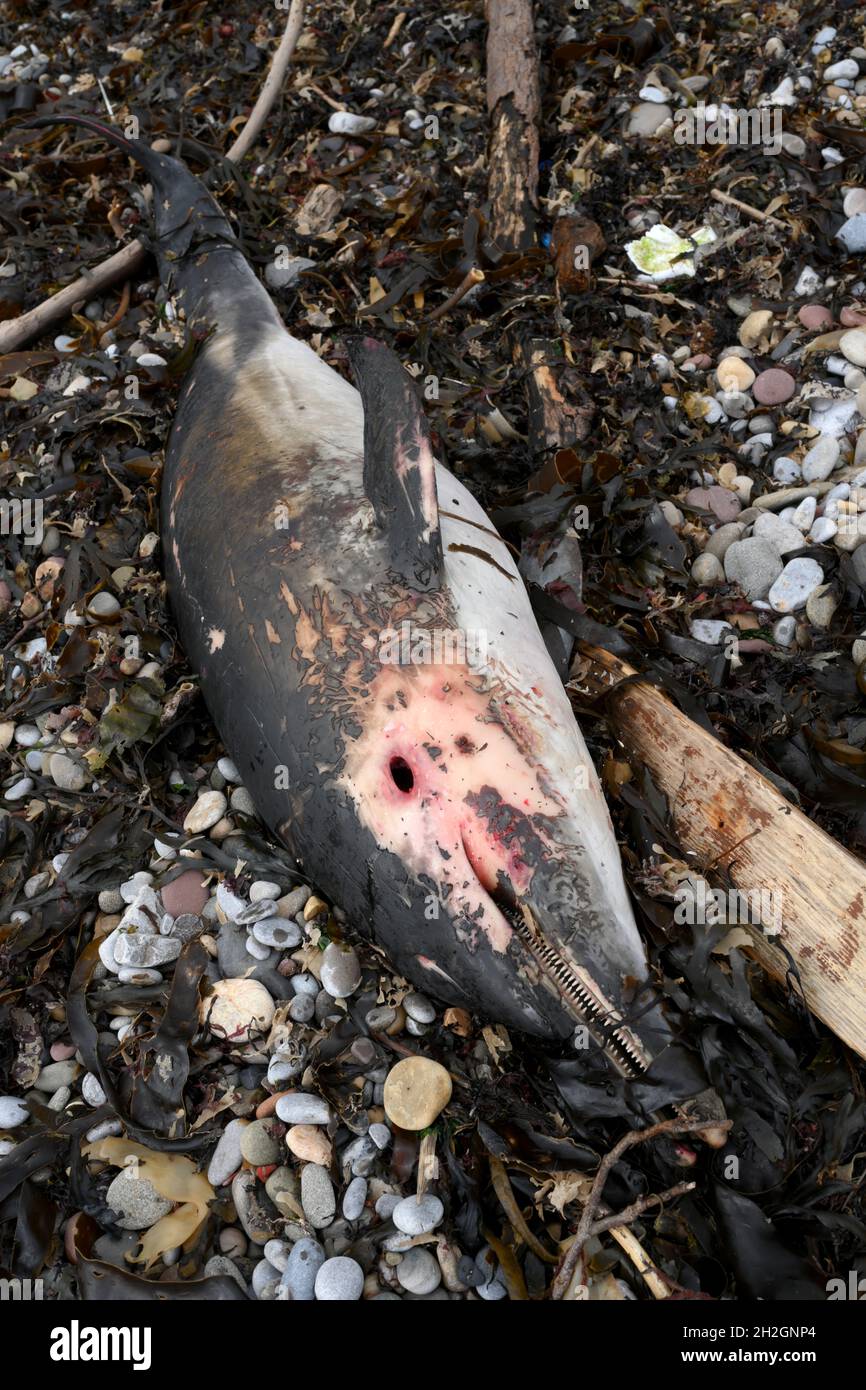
<point>513,103</point>
<point>737,822</point>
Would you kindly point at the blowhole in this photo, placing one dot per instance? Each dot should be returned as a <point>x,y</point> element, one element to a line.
<point>402,775</point>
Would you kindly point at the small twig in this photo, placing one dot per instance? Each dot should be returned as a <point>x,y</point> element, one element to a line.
<point>756,213</point>
<point>124,263</point>
<point>396,26</point>
<point>643,1204</point>
<point>337,105</point>
<point>471,278</point>
<point>593,1204</point>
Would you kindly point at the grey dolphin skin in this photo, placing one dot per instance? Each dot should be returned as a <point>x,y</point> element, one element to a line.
<point>368,653</point>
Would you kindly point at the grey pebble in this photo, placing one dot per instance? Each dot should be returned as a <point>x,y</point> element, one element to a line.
<point>302,1008</point>
<point>340,1279</point>
<point>416,1216</point>
<point>354,1199</point>
<point>110,900</point>
<point>305,1260</point>
<point>227,1156</point>
<point>265,1279</point>
<point>317,1195</point>
<point>304,983</point>
<point>491,1292</point>
<point>419,1008</point>
<point>341,970</point>
<point>136,1201</point>
<point>277,1251</point>
<point>380,1135</point>
<point>57,1074</point>
<point>278,933</point>
<point>386,1204</point>
<point>13,1112</point>
<point>92,1091</point>
<point>418,1272</point>
<point>258,1145</point>
<point>380,1018</point>
<point>135,948</point>
<point>300,1108</point>
<point>221,1264</point>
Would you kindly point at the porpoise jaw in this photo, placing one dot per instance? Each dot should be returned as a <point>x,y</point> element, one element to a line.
<point>367,650</point>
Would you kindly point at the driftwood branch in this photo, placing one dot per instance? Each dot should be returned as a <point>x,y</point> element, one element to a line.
<point>16,332</point>
<point>513,103</point>
<point>735,821</point>
<point>593,1210</point>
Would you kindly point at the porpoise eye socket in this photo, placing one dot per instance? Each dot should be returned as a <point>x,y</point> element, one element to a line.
<point>401,775</point>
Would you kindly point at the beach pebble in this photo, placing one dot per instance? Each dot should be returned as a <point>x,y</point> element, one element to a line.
<point>67,774</point>
<point>306,1258</point>
<point>103,604</point>
<point>419,1008</point>
<point>798,580</point>
<point>13,1112</point>
<point>227,1156</point>
<point>227,769</point>
<point>221,1265</point>
<point>804,514</point>
<point>137,948</point>
<point>709,630</point>
<point>754,564</point>
<point>262,891</point>
<point>707,570</point>
<point>185,895</point>
<point>418,1271</point>
<point>354,1199</point>
<point>821,605</point>
<point>853,346</point>
<point>417,1090</point>
<point>852,234</point>
<point>258,1145</point>
<point>646,117</point>
<point>755,329</point>
<point>783,535</point>
<point>302,1008</point>
<point>815,317</point>
<point>774,386</point>
<point>786,470</point>
<point>823,529</point>
<point>299,1108</point>
<point>348,123</point>
<point>339,1280</point>
<point>340,971</point>
<point>23,787</point>
<point>276,933</point>
<point>57,1074</point>
<point>237,1010</point>
<point>265,1278</point>
<point>92,1091</point>
<point>733,374</point>
<point>821,459</point>
<point>416,1216</point>
<point>846,67</point>
<point>310,1143</point>
<point>209,807</point>
<point>317,1195</point>
<point>136,1201</point>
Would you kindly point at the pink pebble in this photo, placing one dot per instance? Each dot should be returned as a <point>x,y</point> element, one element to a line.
<point>186,893</point>
<point>724,504</point>
<point>61,1051</point>
<point>701,360</point>
<point>852,316</point>
<point>773,386</point>
<point>815,316</point>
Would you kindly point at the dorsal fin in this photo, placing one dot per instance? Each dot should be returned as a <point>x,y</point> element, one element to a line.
<point>399,468</point>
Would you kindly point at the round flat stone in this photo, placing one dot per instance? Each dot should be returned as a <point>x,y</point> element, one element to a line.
<point>753,564</point>
<point>815,317</point>
<point>416,1092</point>
<point>341,970</point>
<point>205,812</point>
<point>185,895</point>
<point>136,1201</point>
<point>852,345</point>
<point>418,1271</point>
<point>340,1280</point>
<point>317,1195</point>
<point>237,1010</point>
<point>774,386</point>
<point>258,1145</point>
<point>416,1216</point>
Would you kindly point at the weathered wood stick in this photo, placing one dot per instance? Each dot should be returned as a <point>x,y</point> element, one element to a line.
<point>513,103</point>
<point>735,820</point>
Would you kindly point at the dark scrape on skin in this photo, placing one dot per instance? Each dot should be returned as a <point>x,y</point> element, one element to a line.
<point>507,824</point>
<point>480,555</point>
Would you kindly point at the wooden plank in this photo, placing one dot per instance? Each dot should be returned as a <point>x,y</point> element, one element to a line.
<point>732,817</point>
